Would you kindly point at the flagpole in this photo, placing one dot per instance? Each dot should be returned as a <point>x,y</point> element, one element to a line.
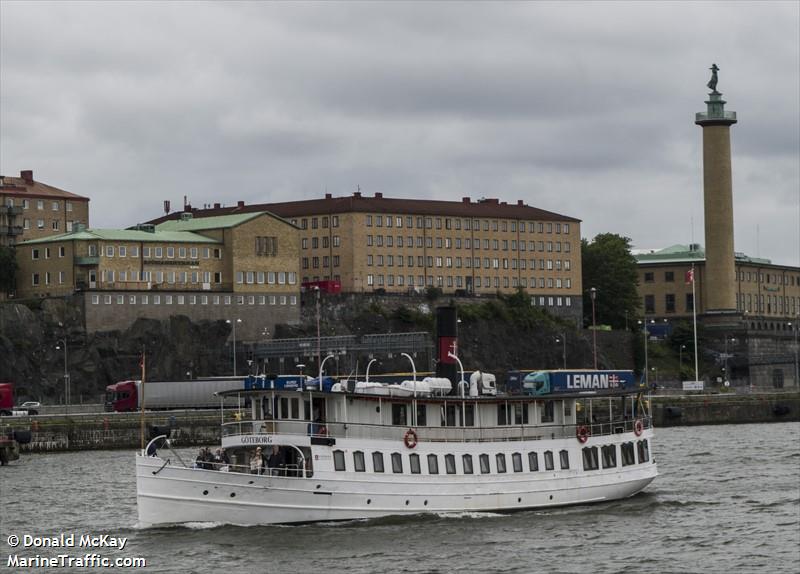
<point>694,321</point>
<point>141,391</point>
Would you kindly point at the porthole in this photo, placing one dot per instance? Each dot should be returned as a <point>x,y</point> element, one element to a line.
<point>251,482</point>
<point>425,503</point>
<point>205,493</point>
<point>551,497</point>
<point>519,500</point>
<point>406,503</point>
<point>369,501</point>
<point>233,494</point>
<point>318,486</point>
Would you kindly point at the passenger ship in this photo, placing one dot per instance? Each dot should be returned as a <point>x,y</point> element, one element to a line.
<point>357,451</point>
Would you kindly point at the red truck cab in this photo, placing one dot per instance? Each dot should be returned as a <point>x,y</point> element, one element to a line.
<point>122,397</point>
<point>6,398</point>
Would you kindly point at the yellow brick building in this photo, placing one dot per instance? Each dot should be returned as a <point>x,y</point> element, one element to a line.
<point>242,266</point>
<point>767,295</point>
<point>469,247</point>
<point>31,209</point>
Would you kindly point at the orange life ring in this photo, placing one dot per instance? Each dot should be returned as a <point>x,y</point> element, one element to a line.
<point>583,433</point>
<point>410,438</point>
<point>638,427</point>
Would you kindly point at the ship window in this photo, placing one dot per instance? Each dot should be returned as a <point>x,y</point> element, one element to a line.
<point>469,416</point>
<point>421,416</point>
<point>450,463</point>
<point>399,414</point>
<point>484,458</point>
<point>413,461</point>
<point>548,460</point>
<point>590,458</point>
<point>609,456</point>
<point>548,411</point>
<point>516,461</point>
<point>644,451</point>
<point>627,454</point>
<point>338,460</point>
<point>503,417</point>
<point>358,461</point>
<point>397,463</point>
<point>467,462</point>
<point>377,461</point>
<point>433,464</point>
<point>564,456</point>
<point>501,462</point>
<point>533,462</point>
<point>520,413</point>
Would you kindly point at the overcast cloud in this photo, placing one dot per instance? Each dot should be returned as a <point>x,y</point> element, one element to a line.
<point>586,109</point>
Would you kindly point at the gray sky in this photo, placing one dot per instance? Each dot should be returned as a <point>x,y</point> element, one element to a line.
<point>586,109</point>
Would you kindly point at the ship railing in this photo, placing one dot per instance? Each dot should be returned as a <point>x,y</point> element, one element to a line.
<point>428,433</point>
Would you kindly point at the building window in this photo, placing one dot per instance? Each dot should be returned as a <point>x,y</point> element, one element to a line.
<point>649,277</point>
<point>650,304</point>
<point>669,302</point>
<point>533,462</point>
<point>450,463</point>
<point>484,463</point>
<point>500,459</point>
<point>669,276</point>
<point>690,302</point>
<point>548,460</point>
<point>377,461</point>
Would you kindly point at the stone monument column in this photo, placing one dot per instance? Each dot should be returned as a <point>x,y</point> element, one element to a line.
<point>720,284</point>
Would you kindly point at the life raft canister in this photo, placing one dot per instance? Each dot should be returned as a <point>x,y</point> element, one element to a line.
<point>410,438</point>
<point>638,427</point>
<point>582,433</point>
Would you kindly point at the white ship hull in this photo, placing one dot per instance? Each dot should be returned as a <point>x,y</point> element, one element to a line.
<point>169,494</point>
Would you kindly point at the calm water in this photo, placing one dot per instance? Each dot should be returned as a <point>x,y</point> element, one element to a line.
<point>728,500</point>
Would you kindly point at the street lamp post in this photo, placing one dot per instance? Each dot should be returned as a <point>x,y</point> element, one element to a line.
<point>63,342</point>
<point>646,371</point>
<point>233,323</point>
<point>563,340</point>
<point>727,374</point>
<point>593,295</point>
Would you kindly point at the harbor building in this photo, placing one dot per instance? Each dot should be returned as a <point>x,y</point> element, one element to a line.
<point>766,295</point>
<point>240,267</point>
<point>31,209</point>
<point>392,245</point>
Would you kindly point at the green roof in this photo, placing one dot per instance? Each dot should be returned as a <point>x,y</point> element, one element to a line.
<point>125,235</point>
<point>687,254</point>
<point>205,223</point>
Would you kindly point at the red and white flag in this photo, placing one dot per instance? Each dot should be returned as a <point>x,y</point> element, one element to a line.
<point>690,276</point>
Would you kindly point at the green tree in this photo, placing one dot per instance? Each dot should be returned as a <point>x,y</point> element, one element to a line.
<point>8,269</point>
<point>609,267</point>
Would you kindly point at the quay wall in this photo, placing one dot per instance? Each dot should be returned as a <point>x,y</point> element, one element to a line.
<point>102,431</point>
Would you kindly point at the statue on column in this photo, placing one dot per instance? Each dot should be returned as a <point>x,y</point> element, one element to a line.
<point>712,83</point>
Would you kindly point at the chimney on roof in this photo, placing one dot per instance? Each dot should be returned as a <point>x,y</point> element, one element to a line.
<point>27,175</point>
<point>465,200</point>
<point>519,202</point>
<point>217,206</point>
<point>328,196</point>
<point>240,203</point>
<point>378,195</point>
<point>356,194</point>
